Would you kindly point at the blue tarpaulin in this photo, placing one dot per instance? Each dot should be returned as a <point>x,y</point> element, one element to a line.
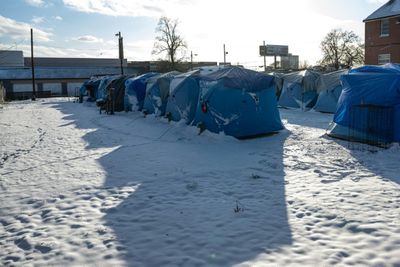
<point>329,88</point>
<point>90,88</point>
<point>104,83</point>
<point>238,102</point>
<point>136,90</point>
<point>368,86</point>
<point>299,90</point>
<point>157,93</point>
<point>184,96</point>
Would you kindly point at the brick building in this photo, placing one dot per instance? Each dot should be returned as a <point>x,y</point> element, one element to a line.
<point>382,35</point>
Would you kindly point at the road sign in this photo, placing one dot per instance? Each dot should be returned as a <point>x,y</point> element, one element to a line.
<point>274,50</point>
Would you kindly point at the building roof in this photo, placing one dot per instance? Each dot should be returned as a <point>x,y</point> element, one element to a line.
<point>390,9</point>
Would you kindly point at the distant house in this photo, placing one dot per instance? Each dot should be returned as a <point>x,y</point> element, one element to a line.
<point>382,35</point>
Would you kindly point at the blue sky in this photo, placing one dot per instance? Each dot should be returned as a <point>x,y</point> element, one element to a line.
<point>86,28</point>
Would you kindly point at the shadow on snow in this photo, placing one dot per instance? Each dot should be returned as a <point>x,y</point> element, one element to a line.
<point>379,161</point>
<point>197,200</point>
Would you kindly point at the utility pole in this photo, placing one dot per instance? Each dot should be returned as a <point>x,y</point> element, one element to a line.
<point>191,60</point>
<point>265,60</point>
<point>121,51</point>
<point>225,55</point>
<point>33,70</point>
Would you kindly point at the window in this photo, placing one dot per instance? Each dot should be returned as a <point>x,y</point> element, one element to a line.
<point>384,27</point>
<point>383,59</point>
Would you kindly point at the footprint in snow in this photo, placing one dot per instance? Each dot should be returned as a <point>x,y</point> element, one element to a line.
<point>43,248</point>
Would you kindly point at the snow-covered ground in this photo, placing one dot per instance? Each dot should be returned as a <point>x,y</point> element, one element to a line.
<point>79,188</point>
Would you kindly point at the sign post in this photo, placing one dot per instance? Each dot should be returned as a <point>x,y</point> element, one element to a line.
<point>265,59</point>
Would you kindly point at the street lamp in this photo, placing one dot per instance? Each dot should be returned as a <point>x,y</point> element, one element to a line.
<point>121,50</point>
<point>191,59</point>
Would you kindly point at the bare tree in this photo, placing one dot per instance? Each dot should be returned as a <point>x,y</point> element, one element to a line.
<point>169,41</point>
<point>342,48</point>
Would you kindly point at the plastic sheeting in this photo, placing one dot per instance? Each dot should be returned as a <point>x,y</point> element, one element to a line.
<point>368,85</point>
<point>136,91</point>
<point>329,88</point>
<point>103,86</point>
<point>118,87</point>
<point>157,93</point>
<point>299,90</point>
<point>184,96</point>
<point>238,102</point>
<point>278,82</point>
<point>90,88</point>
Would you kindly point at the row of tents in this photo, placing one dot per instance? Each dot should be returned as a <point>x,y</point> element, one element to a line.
<point>237,101</point>
<point>244,103</point>
<point>308,89</point>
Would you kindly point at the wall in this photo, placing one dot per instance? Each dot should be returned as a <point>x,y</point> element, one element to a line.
<point>75,62</point>
<point>54,88</point>
<point>375,44</point>
<point>11,58</point>
<point>22,89</point>
<point>73,89</point>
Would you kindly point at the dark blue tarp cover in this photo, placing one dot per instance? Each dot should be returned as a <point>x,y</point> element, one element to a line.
<point>373,85</point>
<point>299,90</point>
<point>104,83</point>
<point>136,90</point>
<point>238,102</point>
<point>329,88</point>
<point>90,88</point>
<point>184,96</point>
<point>157,93</point>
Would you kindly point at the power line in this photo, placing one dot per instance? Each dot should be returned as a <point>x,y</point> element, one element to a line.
<point>9,54</point>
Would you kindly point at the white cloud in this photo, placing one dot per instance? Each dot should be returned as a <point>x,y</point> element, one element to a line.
<point>112,42</point>
<point>89,39</point>
<point>57,18</point>
<point>37,3</point>
<point>207,24</point>
<point>242,32</point>
<point>50,51</point>
<point>38,20</point>
<point>20,30</point>
<point>139,50</point>
<point>149,8</point>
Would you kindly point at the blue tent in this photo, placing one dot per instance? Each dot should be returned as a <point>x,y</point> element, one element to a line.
<point>135,91</point>
<point>116,93</point>
<point>238,102</point>
<point>278,82</point>
<point>369,106</point>
<point>90,88</point>
<point>104,83</point>
<point>157,93</point>
<point>184,96</point>
<point>329,88</point>
<point>299,90</point>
